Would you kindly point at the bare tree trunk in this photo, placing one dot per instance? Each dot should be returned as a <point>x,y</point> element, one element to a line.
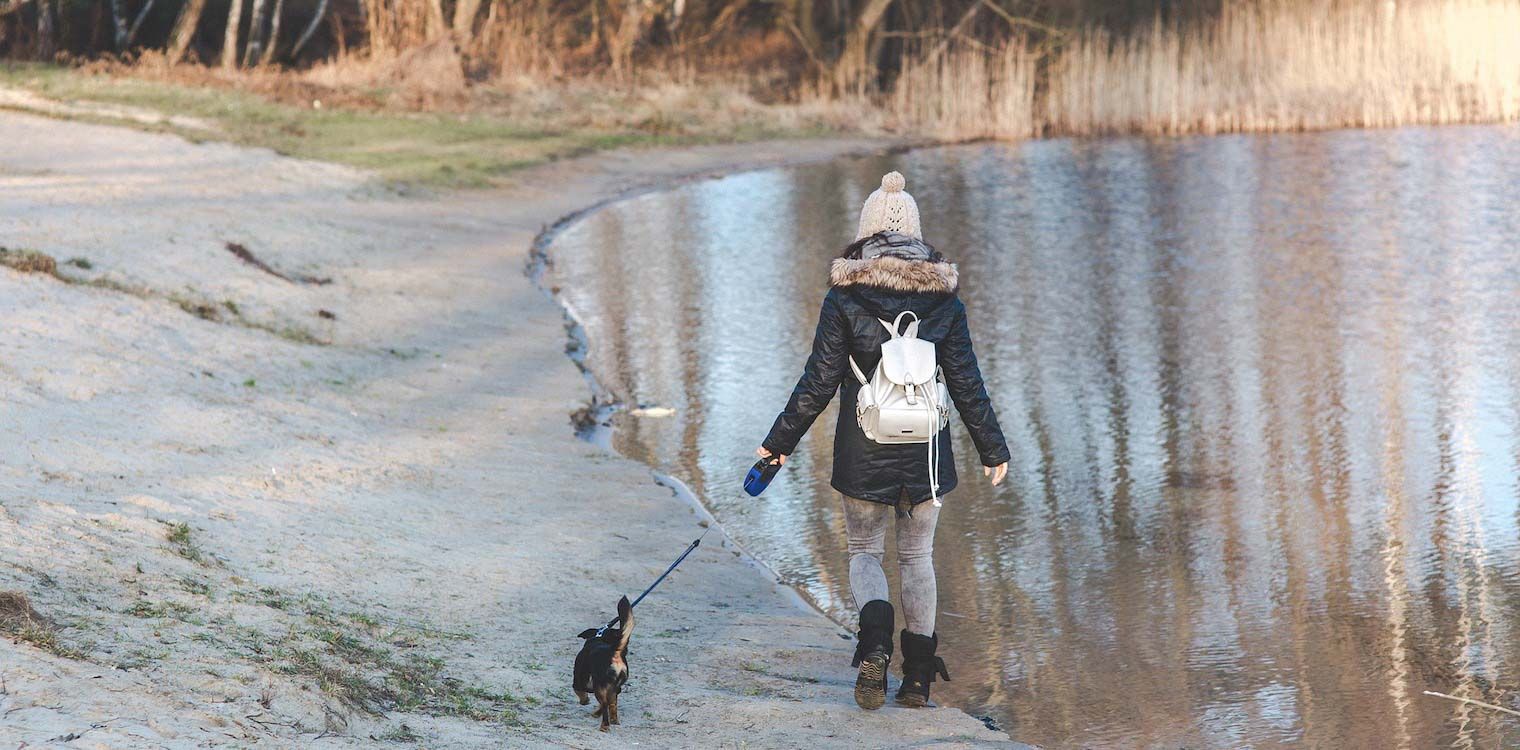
<point>274,33</point>
<point>118,25</point>
<point>853,66</point>
<point>184,29</point>
<point>256,24</point>
<point>620,47</point>
<point>339,37</point>
<point>596,23</point>
<point>435,24</point>
<point>47,30</point>
<point>230,40</point>
<point>311,28</point>
<point>464,20</point>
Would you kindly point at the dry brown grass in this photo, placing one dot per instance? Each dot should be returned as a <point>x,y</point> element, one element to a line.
<point>1260,66</point>
<point>25,624</point>
<point>969,92</point>
<point>1277,66</point>
<point>28,261</point>
<point>16,613</point>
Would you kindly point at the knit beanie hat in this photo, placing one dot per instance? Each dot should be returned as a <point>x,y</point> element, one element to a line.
<point>890,209</point>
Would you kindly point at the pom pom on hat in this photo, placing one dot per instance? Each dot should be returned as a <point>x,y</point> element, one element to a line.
<point>890,209</point>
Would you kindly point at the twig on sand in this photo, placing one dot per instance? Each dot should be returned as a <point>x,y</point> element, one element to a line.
<point>1510,711</point>
<point>244,254</point>
<point>257,719</point>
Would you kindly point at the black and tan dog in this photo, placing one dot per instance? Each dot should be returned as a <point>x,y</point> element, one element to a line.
<point>601,667</point>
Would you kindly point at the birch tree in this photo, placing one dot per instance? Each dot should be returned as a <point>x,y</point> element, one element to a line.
<point>255,33</point>
<point>273,40</point>
<point>230,39</point>
<point>118,25</point>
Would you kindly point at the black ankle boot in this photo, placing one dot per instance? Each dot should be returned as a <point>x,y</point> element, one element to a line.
<point>873,654</point>
<point>919,667</point>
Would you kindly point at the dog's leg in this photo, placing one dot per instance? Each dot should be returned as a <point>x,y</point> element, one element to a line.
<point>612,706</point>
<point>581,681</point>
<point>604,708</point>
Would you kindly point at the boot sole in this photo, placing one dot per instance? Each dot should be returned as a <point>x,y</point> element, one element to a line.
<point>870,683</point>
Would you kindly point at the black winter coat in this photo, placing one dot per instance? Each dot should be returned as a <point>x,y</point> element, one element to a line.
<point>863,292</point>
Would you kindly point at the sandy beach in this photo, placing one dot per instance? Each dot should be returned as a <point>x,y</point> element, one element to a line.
<point>288,459</point>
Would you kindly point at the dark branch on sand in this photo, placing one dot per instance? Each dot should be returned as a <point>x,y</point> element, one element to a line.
<point>247,256</point>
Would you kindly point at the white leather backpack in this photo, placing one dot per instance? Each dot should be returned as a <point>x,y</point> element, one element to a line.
<point>905,400</point>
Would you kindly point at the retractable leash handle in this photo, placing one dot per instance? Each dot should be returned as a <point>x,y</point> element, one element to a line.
<point>761,474</point>
<point>689,549</point>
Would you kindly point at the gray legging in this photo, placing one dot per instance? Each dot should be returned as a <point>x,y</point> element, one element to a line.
<point>865,525</point>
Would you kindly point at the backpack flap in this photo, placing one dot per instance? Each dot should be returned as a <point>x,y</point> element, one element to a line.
<point>908,361</point>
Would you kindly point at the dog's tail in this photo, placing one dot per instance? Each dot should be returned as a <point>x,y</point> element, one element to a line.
<point>625,622</point>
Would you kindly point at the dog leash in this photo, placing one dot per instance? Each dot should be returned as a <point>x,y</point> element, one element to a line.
<point>689,549</point>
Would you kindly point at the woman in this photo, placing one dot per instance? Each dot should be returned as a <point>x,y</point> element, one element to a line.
<point>889,269</point>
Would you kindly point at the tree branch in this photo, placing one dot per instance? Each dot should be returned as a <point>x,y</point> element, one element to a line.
<point>1017,21</point>
<point>311,28</point>
<point>791,25</point>
<point>956,30</point>
<point>137,23</point>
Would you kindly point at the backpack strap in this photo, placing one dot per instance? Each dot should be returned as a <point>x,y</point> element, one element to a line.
<point>896,326</point>
<point>858,374</point>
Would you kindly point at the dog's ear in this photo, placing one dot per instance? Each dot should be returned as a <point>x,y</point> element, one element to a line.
<point>587,633</point>
<point>624,608</point>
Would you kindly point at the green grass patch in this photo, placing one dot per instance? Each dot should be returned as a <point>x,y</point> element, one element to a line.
<point>442,149</point>
<point>352,664</point>
<point>46,638</point>
<point>367,661</point>
<point>193,586</point>
<point>401,733</point>
<point>179,540</point>
<point>159,610</point>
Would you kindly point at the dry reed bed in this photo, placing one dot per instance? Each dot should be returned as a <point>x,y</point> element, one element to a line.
<point>1269,66</point>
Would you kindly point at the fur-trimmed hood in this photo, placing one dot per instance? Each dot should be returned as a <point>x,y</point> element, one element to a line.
<point>896,262</point>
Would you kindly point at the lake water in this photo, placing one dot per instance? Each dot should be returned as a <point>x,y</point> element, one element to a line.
<point>1262,393</point>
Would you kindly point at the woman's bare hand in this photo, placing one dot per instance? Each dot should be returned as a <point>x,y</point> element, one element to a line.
<point>763,453</point>
<point>996,472</point>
